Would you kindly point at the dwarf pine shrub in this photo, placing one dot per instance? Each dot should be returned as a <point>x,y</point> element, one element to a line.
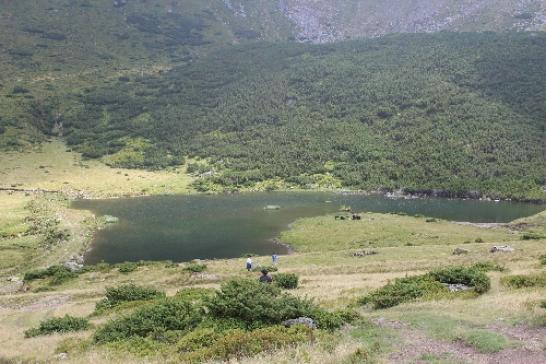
<point>58,274</point>
<point>256,304</point>
<point>128,293</point>
<point>524,281</point>
<point>431,284</point>
<point>195,267</point>
<point>286,280</point>
<point>59,325</point>
<point>164,316</point>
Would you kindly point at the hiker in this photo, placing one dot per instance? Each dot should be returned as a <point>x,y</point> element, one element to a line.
<point>265,278</point>
<point>274,259</point>
<point>249,263</point>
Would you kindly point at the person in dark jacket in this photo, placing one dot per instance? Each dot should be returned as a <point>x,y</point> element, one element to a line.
<point>265,278</point>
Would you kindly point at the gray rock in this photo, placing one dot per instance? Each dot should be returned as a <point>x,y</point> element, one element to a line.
<point>75,263</point>
<point>502,249</point>
<point>14,285</point>
<point>456,287</point>
<point>305,321</point>
<point>61,356</point>
<point>460,251</point>
<point>364,253</point>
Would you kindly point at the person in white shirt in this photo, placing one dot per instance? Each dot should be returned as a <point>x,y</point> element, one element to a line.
<point>249,263</point>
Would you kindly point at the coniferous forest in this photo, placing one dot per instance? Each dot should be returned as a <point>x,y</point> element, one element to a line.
<point>462,113</point>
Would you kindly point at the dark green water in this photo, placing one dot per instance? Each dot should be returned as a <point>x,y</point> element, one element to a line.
<point>181,228</point>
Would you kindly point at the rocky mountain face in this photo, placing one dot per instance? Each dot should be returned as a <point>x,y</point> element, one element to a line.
<point>323,21</point>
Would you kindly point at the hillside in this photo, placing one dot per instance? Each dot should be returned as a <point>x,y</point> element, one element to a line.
<point>143,84</point>
<point>459,112</point>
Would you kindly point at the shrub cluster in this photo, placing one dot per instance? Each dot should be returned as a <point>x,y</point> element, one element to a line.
<point>286,280</point>
<point>542,259</point>
<point>256,304</point>
<point>402,290</point>
<point>524,281</point>
<point>427,285</point>
<point>127,293</point>
<point>155,319</point>
<point>532,236</point>
<point>127,267</point>
<point>59,325</point>
<point>472,277</point>
<point>195,267</point>
<point>243,318</point>
<point>58,274</point>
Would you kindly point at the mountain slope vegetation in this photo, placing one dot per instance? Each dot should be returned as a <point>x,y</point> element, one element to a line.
<point>144,84</point>
<point>459,112</point>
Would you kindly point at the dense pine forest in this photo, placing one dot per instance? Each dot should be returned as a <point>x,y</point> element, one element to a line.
<point>458,112</point>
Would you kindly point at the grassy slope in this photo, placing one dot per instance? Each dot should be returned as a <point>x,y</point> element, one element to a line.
<point>50,166</point>
<point>22,249</point>
<point>335,280</point>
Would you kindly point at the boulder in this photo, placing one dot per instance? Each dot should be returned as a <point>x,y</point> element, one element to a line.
<point>460,251</point>
<point>74,264</point>
<point>502,249</point>
<point>62,356</point>
<point>14,285</point>
<point>364,253</point>
<point>456,287</point>
<point>305,321</point>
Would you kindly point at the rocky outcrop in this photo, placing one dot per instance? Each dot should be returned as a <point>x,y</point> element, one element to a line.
<point>321,21</point>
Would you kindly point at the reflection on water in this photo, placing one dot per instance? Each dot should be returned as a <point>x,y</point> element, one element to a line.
<point>181,228</point>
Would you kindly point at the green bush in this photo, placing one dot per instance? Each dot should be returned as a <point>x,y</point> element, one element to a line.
<point>542,259</point>
<point>59,325</point>
<point>240,343</point>
<point>167,315</point>
<point>127,267</point>
<point>411,288</point>
<point>128,293</point>
<point>532,236</point>
<point>58,274</point>
<point>462,275</point>
<point>403,290</point>
<point>524,281</point>
<point>256,304</point>
<point>332,320</point>
<point>198,339</point>
<point>195,267</point>
<point>286,280</point>
<point>489,267</point>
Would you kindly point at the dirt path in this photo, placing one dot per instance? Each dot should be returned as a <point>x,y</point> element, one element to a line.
<point>416,344</point>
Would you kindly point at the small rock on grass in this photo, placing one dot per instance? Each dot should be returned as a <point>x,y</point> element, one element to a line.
<point>460,251</point>
<point>502,249</point>
<point>305,321</point>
